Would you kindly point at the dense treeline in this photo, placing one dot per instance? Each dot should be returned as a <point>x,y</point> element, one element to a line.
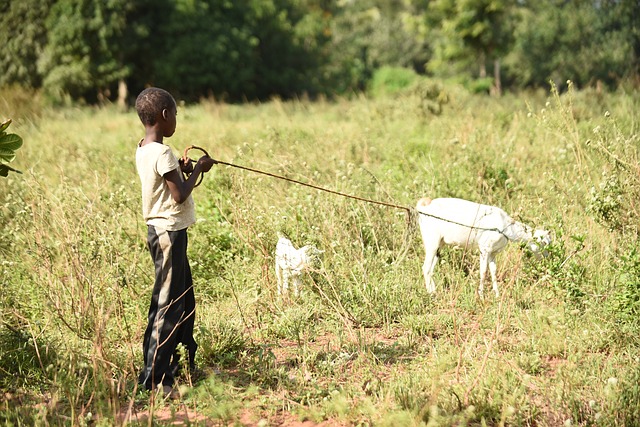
<point>96,50</point>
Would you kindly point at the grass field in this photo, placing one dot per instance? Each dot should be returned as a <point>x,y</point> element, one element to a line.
<point>365,344</point>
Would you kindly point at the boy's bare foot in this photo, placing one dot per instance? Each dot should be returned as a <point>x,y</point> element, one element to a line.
<point>168,392</point>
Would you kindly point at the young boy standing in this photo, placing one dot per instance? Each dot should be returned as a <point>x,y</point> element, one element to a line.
<point>168,210</point>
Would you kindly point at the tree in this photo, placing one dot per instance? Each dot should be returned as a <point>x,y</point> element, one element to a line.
<point>210,50</point>
<point>140,41</point>
<point>22,37</point>
<point>81,57</point>
<point>584,41</point>
<point>370,34</point>
<point>238,50</point>
<point>622,17</point>
<point>482,28</point>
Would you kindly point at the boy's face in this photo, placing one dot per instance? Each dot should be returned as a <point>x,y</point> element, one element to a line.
<point>169,116</point>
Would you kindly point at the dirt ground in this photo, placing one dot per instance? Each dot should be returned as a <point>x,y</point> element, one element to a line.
<point>186,416</point>
<point>180,414</point>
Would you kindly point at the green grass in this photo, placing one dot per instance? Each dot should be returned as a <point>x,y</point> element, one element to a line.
<point>365,344</point>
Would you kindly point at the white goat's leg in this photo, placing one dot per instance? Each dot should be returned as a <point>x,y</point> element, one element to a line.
<point>430,260</point>
<point>493,269</point>
<point>484,262</point>
<point>279,278</point>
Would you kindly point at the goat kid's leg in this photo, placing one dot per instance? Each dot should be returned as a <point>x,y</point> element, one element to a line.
<point>430,260</point>
<point>296,285</point>
<point>285,282</point>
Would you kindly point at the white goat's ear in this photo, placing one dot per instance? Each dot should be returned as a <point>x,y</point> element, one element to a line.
<point>542,236</point>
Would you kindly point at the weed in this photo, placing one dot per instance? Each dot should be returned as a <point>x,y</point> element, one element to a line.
<point>605,202</point>
<point>625,397</point>
<point>625,298</point>
<point>221,341</point>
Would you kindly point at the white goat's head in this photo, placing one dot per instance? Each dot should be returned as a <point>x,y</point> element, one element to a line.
<point>539,241</point>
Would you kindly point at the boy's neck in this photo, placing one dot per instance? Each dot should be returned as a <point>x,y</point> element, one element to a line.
<point>145,141</point>
<point>151,136</point>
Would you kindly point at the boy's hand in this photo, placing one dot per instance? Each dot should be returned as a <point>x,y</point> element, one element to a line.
<point>186,165</point>
<point>205,163</point>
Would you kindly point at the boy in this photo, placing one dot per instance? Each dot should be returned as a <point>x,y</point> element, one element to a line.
<point>168,210</point>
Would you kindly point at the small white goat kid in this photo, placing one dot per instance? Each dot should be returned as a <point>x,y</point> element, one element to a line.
<point>467,224</point>
<point>291,263</point>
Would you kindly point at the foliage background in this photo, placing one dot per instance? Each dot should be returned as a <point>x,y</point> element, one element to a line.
<point>97,51</point>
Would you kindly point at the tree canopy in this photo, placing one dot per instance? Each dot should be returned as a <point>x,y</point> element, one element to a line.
<point>255,49</point>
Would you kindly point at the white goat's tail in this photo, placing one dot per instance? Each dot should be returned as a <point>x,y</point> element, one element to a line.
<point>423,203</point>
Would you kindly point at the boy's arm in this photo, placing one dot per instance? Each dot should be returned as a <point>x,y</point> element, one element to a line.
<point>181,189</point>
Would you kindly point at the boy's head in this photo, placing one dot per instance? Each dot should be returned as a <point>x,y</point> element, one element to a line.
<point>151,102</point>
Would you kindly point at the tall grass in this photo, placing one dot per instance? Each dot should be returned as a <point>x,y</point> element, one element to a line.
<point>364,344</point>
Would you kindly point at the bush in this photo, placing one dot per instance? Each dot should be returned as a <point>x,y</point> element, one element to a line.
<point>391,80</point>
<point>431,96</point>
<point>481,85</point>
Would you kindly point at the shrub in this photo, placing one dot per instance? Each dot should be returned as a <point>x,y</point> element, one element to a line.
<point>391,80</point>
<point>431,96</point>
<point>482,85</point>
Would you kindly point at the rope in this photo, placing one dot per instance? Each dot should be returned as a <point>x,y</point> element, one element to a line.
<point>410,211</point>
<point>362,199</point>
<point>185,157</point>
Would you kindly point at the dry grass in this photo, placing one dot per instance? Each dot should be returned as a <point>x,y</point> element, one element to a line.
<point>365,344</point>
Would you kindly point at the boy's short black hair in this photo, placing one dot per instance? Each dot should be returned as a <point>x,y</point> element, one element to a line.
<point>152,101</point>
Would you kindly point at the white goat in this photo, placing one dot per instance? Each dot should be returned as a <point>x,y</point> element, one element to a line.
<point>467,224</point>
<point>291,263</point>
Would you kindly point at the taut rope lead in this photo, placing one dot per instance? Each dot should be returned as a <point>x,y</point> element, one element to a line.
<point>410,211</point>
<point>391,205</point>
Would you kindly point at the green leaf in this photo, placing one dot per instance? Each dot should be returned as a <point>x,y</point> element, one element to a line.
<point>9,143</point>
<point>4,125</point>
<point>4,170</point>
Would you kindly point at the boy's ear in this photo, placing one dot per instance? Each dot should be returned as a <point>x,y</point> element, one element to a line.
<point>165,113</point>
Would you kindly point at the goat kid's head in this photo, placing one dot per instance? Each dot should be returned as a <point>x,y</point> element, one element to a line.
<point>311,254</point>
